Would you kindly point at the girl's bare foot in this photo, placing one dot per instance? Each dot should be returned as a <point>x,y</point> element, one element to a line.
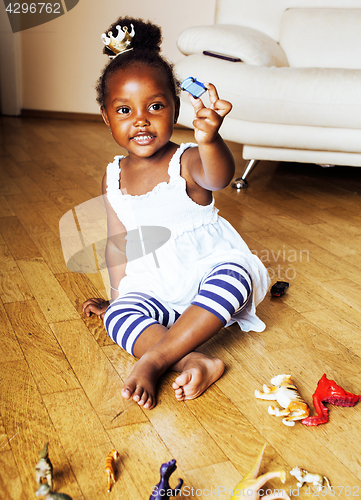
<point>198,373</point>
<point>141,383</point>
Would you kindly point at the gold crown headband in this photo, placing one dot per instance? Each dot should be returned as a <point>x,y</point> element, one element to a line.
<point>121,43</point>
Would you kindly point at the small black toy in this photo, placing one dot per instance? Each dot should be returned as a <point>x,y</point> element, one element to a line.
<point>162,491</point>
<point>279,288</point>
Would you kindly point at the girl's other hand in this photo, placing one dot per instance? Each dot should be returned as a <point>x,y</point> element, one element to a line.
<point>208,120</point>
<point>96,306</point>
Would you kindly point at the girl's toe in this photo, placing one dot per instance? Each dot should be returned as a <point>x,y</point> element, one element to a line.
<point>149,404</point>
<point>144,398</point>
<point>127,391</point>
<point>183,379</point>
<point>138,395</point>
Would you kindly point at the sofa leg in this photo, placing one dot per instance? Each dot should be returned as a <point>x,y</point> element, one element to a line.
<point>240,182</point>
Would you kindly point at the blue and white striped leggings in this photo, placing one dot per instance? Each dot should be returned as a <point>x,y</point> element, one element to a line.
<point>224,291</point>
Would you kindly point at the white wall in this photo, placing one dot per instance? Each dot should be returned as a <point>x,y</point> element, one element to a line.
<point>10,68</point>
<point>62,59</point>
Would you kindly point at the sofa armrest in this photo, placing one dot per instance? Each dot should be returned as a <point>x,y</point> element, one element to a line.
<point>251,46</point>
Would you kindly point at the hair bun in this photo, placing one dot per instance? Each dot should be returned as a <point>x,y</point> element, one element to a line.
<point>148,36</point>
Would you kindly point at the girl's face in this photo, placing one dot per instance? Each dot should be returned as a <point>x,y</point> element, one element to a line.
<point>140,110</point>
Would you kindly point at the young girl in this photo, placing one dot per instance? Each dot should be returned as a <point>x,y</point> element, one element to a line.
<point>202,276</point>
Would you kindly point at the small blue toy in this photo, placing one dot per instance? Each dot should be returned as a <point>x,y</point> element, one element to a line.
<point>162,490</point>
<point>193,86</point>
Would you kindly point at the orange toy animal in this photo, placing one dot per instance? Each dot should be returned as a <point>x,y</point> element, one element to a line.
<point>286,395</point>
<point>109,467</point>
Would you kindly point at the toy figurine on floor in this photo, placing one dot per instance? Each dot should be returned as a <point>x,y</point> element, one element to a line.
<point>287,396</point>
<point>248,487</point>
<point>162,490</point>
<point>306,477</point>
<point>44,468</point>
<point>109,467</point>
<point>279,288</point>
<point>329,392</point>
<point>45,491</point>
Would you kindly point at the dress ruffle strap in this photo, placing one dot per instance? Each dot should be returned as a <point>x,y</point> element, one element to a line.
<point>113,174</point>
<point>175,162</point>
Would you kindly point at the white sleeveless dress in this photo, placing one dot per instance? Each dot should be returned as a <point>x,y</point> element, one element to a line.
<point>192,239</point>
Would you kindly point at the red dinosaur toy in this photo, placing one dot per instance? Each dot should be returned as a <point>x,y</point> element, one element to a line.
<point>329,392</point>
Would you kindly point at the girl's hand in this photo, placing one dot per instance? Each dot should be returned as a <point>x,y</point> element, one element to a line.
<point>95,306</point>
<point>208,120</point>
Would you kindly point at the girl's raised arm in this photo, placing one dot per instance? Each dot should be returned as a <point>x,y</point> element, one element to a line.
<point>215,168</point>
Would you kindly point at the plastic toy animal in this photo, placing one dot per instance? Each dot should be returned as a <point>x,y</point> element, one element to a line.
<point>109,467</point>
<point>162,490</point>
<point>305,477</point>
<point>328,391</point>
<point>44,468</point>
<point>45,491</point>
<point>287,396</point>
<point>248,487</point>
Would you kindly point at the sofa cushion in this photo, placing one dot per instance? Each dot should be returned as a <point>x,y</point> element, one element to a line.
<point>266,15</point>
<point>250,45</point>
<point>323,38</point>
<point>324,97</point>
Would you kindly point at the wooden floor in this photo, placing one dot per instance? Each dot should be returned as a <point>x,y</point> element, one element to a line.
<point>61,375</point>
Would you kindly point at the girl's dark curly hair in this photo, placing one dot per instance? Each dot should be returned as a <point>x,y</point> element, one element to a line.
<point>146,51</point>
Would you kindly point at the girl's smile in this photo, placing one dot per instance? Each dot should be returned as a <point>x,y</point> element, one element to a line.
<point>140,110</point>
<point>143,138</point>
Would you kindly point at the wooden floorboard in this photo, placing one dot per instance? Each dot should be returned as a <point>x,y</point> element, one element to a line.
<point>61,375</point>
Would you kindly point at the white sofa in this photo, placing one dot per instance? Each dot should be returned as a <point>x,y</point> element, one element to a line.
<point>296,94</point>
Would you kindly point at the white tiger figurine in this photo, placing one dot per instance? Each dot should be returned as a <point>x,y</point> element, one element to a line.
<point>287,396</point>
<point>306,477</point>
<point>44,468</point>
<point>45,491</point>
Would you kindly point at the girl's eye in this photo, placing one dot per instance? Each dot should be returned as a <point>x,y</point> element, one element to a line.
<point>157,106</point>
<point>123,110</point>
